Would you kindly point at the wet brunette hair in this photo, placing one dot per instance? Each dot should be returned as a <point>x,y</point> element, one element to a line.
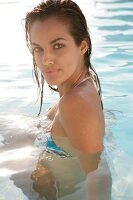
<point>66,11</point>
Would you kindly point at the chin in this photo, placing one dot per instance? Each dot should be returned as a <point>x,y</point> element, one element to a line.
<point>52,83</point>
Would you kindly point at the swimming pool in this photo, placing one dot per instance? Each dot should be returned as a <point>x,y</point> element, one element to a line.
<point>111,28</point>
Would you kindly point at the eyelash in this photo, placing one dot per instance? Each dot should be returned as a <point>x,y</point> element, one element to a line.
<point>37,49</point>
<point>56,46</point>
<point>59,46</point>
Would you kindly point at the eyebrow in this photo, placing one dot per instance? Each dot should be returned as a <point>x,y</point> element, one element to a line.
<point>55,40</point>
<point>51,42</point>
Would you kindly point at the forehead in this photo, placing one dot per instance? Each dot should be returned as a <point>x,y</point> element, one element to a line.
<point>48,29</point>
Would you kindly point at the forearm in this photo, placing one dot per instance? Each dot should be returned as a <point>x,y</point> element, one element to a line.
<point>99,183</point>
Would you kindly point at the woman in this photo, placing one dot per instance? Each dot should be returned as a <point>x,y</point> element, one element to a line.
<point>57,36</point>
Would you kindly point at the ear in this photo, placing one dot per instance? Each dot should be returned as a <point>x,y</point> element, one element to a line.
<point>84,47</point>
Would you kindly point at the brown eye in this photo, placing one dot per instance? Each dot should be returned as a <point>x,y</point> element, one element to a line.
<point>37,49</point>
<point>58,46</point>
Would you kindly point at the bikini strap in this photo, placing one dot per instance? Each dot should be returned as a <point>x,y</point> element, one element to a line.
<point>89,76</point>
<point>86,78</point>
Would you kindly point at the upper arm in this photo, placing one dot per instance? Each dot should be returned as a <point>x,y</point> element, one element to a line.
<point>81,122</point>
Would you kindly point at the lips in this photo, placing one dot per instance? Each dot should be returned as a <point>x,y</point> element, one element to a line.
<point>51,71</point>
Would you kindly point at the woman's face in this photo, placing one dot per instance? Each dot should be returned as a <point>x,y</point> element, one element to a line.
<point>59,59</point>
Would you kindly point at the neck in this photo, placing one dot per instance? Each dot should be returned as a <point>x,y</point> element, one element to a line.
<point>67,86</point>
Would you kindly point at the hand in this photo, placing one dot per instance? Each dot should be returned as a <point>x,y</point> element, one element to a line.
<point>44,183</point>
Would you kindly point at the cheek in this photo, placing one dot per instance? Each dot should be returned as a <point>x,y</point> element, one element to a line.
<point>72,59</point>
<point>38,61</point>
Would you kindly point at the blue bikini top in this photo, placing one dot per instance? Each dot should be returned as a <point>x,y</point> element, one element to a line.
<point>46,142</point>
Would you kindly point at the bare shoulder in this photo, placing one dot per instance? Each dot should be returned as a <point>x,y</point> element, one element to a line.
<point>82,118</point>
<point>84,101</point>
<point>52,111</point>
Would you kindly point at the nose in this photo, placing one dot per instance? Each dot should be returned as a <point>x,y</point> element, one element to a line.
<point>47,59</point>
<point>48,62</point>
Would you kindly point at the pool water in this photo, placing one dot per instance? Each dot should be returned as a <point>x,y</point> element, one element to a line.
<point>111,29</point>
